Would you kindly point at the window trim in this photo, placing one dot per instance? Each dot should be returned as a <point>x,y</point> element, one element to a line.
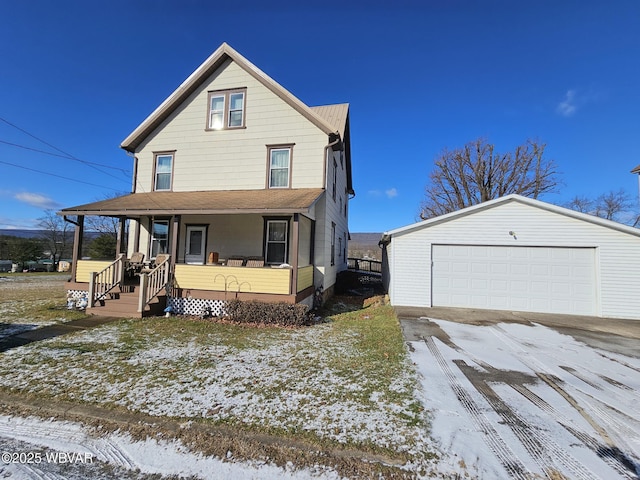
<point>335,179</point>
<point>156,155</point>
<point>226,109</point>
<point>163,220</point>
<point>265,235</point>
<point>270,148</point>
<point>333,244</point>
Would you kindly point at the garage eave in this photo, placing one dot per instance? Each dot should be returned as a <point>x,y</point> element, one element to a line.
<point>386,237</point>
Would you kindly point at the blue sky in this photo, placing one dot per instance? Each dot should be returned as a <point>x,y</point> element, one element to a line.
<point>420,76</point>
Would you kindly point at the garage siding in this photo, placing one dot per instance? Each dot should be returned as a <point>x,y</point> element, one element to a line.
<point>617,258</point>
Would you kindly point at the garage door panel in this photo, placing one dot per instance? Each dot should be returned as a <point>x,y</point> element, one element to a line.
<point>538,279</point>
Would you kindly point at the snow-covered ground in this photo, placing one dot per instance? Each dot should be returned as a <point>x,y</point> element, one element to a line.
<point>46,449</point>
<point>516,401</point>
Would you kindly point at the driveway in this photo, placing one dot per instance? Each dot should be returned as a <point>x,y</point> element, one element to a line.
<point>529,396</point>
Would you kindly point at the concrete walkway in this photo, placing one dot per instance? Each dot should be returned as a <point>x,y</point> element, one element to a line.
<point>52,331</point>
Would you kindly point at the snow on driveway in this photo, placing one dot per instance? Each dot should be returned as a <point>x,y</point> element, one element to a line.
<point>518,401</point>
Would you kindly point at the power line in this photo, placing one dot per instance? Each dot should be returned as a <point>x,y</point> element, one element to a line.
<point>62,156</point>
<point>69,156</point>
<point>58,176</point>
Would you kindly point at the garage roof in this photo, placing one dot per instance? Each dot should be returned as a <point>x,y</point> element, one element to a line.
<point>386,236</point>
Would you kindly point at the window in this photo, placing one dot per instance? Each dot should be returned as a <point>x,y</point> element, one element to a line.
<point>226,109</point>
<point>344,246</point>
<point>279,167</point>
<point>276,241</point>
<point>333,243</point>
<point>159,237</point>
<point>335,178</point>
<point>163,171</point>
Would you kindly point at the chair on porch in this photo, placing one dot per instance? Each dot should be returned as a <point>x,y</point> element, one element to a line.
<point>135,263</point>
<point>161,257</point>
<point>235,262</point>
<point>255,262</point>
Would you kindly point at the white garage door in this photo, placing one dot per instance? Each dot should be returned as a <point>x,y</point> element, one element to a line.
<point>528,279</point>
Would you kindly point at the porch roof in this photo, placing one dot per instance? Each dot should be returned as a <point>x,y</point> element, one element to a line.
<point>273,201</point>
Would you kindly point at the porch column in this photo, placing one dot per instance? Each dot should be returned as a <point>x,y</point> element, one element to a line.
<point>136,235</point>
<point>295,241</point>
<point>78,234</point>
<point>175,235</point>
<point>120,236</point>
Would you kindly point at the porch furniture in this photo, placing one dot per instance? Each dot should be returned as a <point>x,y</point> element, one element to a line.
<point>161,257</point>
<point>255,262</point>
<point>235,262</point>
<point>135,263</point>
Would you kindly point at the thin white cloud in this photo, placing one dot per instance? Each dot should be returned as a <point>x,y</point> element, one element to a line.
<point>391,193</point>
<point>36,200</point>
<point>374,193</point>
<point>568,106</point>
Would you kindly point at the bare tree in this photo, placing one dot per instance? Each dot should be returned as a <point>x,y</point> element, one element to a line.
<point>56,235</point>
<point>580,204</point>
<point>477,173</point>
<point>613,205</point>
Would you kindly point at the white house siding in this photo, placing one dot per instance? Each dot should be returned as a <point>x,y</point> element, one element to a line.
<point>236,158</point>
<point>336,215</point>
<point>617,253</point>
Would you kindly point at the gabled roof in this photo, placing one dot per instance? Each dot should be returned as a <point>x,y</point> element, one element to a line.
<point>274,201</point>
<point>199,76</point>
<point>336,115</point>
<point>386,236</point>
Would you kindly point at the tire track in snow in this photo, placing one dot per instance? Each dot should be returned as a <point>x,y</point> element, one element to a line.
<point>547,454</point>
<point>613,449</point>
<point>44,433</point>
<point>496,443</point>
<point>607,453</point>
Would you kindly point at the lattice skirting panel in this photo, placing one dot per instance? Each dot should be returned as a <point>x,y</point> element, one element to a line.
<point>76,294</point>
<point>196,306</point>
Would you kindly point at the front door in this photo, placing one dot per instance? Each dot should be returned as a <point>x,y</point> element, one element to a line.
<point>196,238</point>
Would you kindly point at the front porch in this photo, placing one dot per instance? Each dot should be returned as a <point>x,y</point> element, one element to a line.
<point>192,288</point>
<point>215,246</point>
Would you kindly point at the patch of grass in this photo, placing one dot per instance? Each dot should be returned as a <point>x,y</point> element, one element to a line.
<point>345,383</point>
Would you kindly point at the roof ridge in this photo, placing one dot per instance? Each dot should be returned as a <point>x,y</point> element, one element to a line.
<point>197,77</point>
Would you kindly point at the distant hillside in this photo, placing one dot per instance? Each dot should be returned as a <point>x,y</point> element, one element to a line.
<point>37,233</point>
<point>21,233</point>
<point>365,245</point>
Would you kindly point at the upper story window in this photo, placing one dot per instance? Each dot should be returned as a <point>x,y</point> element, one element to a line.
<point>226,109</point>
<point>163,171</point>
<point>279,166</point>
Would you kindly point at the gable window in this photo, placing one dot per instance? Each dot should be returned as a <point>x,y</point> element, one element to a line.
<point>226,109</point>
<point>276,241</point>
<point>279,166</point>
<point>163,171</point>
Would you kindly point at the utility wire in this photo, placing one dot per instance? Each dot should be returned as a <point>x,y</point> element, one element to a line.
<point>69,156</point>
<point>58,176</point>
<point>62,156</point>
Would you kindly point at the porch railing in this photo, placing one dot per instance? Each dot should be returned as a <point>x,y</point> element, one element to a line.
<point>153,282</point>
<point>101,283</point>
<point>365,265</point>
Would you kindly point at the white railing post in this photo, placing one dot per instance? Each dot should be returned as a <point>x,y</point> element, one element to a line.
<point>142,298</point>
<point>92,288</point>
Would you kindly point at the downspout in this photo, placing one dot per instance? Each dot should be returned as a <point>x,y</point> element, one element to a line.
<point>326,159</point>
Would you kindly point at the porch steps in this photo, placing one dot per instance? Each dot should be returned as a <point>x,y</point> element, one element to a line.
<point>124,304</point>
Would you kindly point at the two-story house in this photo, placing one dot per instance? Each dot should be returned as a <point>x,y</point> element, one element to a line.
<point>240,190</point>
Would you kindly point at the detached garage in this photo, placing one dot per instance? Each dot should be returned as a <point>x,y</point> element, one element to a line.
<point>516,253</point>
